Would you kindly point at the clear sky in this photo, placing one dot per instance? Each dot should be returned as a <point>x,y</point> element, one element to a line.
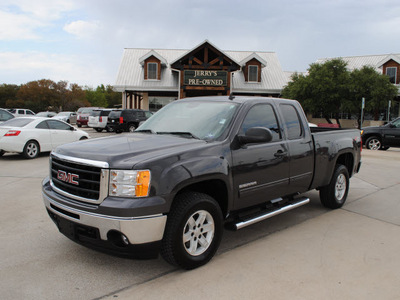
<point>81,41</point>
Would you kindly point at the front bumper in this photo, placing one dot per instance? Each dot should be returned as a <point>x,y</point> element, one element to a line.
<point>138,237</point>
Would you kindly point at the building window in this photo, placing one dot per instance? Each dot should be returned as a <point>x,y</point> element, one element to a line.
<point>152,69</point>
<point>253,73</point>
<point>392,73</point>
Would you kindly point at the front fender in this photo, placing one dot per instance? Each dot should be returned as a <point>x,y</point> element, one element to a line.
<point>184,173</point>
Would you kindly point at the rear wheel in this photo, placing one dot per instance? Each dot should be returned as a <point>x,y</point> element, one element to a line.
<point>373,143</point>
<point>99,129</point>
<point>193,231</point>
<point>334,195</point>
<point>31,150</point>
<point>2,152</point>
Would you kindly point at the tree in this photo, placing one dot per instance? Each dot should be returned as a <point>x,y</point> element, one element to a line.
<point>324,89</point>
<point>97,97</point>
<point>8,93</point>
<point>330,88</point>
<point>113,98</point>
<point>38,95</point>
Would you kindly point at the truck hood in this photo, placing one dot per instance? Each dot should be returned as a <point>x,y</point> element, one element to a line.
<point>128,149</point>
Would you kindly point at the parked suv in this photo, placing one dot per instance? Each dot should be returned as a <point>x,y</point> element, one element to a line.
<point>125,119</point>
<point>83,115</point>
<point>98,119</point>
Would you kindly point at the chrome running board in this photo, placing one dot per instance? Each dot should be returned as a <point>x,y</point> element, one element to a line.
<point>270,213</point>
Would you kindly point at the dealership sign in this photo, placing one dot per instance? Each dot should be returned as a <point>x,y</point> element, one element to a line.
<point>205,78</point>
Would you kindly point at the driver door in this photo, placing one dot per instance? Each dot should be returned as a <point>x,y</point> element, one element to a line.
<point>260,171</point>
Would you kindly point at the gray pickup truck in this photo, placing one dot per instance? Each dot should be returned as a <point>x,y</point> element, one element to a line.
<point>197,165</point>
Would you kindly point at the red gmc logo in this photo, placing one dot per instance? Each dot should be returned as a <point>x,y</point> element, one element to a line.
<point>68,177</point>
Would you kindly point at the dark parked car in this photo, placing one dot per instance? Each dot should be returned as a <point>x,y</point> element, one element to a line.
<point>125,120</point>
<point>382,137</point>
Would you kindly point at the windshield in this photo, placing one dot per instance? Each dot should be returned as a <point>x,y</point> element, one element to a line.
<point>114,114</point>
<point>17,122</point>
<point>206,120</point>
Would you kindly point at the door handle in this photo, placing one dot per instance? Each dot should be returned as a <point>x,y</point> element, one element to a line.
<point>280,154</point>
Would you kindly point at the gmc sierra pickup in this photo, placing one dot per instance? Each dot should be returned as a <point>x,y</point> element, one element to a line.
<point>196,165</point>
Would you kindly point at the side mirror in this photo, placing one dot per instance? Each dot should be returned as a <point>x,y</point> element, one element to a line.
<point>256,135</point>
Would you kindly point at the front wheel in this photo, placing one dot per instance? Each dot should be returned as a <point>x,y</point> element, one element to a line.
<point>334,195</point>
<point>193,231</point>
<point>31,150</point>
<point>373,143</point>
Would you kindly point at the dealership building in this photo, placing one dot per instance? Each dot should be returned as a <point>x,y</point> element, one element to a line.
<point>151,78</point>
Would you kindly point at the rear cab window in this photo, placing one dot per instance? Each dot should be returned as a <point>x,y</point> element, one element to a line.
<point>292,123</point>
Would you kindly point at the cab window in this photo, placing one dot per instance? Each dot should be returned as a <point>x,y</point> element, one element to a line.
<point>262,115</point>
<point>292,121</point>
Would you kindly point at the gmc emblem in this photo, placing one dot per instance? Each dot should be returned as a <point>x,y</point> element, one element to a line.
<point>68,177</point>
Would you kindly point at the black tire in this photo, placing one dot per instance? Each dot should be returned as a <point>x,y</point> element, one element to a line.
<point>373,143</point>
<point>99,129</point>
<point>191,247</point>
<point>31,150</point>
<point>2,153</point>
<point>79,125</point>
<point>83,138</point>
<point>109,129</point>
<point>334,195</point>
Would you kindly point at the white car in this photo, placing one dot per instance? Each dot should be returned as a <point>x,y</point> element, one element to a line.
<point>32,135</point>
<point>98,119</point>
<point>66,116</point>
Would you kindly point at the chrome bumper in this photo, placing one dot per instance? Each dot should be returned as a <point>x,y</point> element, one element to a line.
<point>138,230</point>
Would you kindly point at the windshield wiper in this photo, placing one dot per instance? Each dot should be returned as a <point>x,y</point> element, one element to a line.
<point>184,133</point>
<point>146,131</point>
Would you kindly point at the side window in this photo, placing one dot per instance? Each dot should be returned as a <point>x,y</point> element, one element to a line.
<point>253,73</point>
<point>262,115</point>
<point>42,125</point>
<point>396,123</point>
<point>292,121</point>
<point>152,69</point>
<point>53,124</point>
<point>28,112</point>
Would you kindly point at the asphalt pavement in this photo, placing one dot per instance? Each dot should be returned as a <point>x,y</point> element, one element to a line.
<point>308,253</point>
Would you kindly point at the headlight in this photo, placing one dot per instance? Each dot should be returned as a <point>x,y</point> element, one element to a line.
<point>124,183</point>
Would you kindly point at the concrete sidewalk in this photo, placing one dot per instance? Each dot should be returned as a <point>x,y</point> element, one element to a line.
<point>350,253</point>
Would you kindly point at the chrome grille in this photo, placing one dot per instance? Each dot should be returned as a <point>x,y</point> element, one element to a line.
<point>79,179</point>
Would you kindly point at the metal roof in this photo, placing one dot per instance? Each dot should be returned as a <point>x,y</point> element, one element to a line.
<point>131,74</point>
<point>357,62</point>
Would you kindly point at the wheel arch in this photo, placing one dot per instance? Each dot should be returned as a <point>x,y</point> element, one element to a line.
<point>215,188</point>
<point>33,140</point>
<point>346,159</point>
<point>366,136</point>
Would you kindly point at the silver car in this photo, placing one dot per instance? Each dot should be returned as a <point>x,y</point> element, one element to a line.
<point>66,116</point>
